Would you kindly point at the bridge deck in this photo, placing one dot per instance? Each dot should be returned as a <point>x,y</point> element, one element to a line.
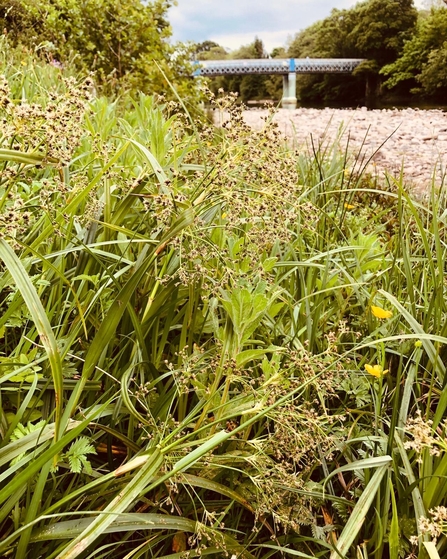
<point>277,66</point>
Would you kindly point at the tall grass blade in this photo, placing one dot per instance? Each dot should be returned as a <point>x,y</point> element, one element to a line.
<point>41,322</point>
<point>358,515</point>
<point>119,504</point>
<point>431,550</point>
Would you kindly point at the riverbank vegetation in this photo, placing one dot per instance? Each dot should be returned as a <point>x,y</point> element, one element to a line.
<point>125,44</point>
<point>212,344</point>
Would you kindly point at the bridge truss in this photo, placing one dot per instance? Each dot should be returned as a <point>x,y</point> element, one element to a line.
<point>287,67</point>
<point>276,66</point>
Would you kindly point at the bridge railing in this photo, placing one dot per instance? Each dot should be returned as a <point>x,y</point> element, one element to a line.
<point>287,67</point>
<point>281,66</point>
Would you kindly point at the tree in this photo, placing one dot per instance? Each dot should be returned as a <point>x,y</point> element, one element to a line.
<point>382,27</point>
<point>209,50</point>
<point>328,38</point>
<point>122,41</point>
<point>251,86</point>
<point>308,42</point>
<point>375,30</point>
<point>421,66</point>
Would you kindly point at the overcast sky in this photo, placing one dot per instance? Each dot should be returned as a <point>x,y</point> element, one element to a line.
<point>233,23</point>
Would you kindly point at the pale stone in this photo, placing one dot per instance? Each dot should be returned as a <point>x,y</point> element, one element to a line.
<point>416,137</point>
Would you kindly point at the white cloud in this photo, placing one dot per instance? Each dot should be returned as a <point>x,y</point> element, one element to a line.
<point>233,23</point>
<point>271,39</point>
<point>199,20</point>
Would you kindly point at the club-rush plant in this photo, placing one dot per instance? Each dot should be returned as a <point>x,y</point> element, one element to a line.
<point>212,343</point>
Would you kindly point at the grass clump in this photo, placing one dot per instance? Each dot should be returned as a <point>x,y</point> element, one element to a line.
<point>211,343</point>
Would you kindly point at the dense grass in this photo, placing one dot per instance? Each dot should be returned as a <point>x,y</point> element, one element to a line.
<point>187,314</point>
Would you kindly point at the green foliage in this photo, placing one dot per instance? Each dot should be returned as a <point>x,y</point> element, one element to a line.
<point>188,373</point>
<point>77,455</point>
<point>123,42</point>
<point>249,87</point>
<point>382,28</point>
<point>421,64</point>
<point>374,29</point>
<point>209,50</point>
<point>20,432</point>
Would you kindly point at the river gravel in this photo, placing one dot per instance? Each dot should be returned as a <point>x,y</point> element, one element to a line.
<point>392,139</point>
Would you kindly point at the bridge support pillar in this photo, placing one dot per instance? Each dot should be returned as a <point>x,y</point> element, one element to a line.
<point>289,89</point>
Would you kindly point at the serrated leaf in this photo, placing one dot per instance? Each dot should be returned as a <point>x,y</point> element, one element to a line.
<point>245,310</point>
<point>75,464</point>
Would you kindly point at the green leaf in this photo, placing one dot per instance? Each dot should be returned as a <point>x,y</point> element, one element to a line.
<point>118,505</point>
<point>394,527</point>
<point>269,263</point>
<point>429,347</point>
<point>245,310</point>
<point>25,158</point>
<point>431,550</point>
<point>133,522</point>
<point>41,321</point>
<point>244,357</point>
<point>77,455</point>
<point>358,515</point>
<point>27,474</point>
<point>75,464</point>
<point>375,462</point>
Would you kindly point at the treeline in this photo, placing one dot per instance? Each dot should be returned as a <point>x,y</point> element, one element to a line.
<point>406,52</point>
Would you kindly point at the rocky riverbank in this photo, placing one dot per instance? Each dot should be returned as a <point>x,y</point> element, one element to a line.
<point>387,139</point>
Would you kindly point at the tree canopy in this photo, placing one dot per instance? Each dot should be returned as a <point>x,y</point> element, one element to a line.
<point>421,66</point>
<point>122,41</point>
<point>375,30</point>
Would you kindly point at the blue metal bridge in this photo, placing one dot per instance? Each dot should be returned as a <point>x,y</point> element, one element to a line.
<point>287,67</point>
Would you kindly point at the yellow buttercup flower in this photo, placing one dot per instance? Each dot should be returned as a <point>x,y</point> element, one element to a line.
<point>349,206</point>
<point>376,370</point>
<point>378,312</point>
